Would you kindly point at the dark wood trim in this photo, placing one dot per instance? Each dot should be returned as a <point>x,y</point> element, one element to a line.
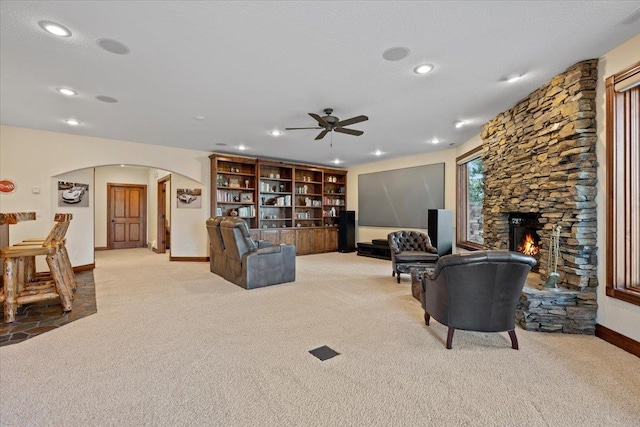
<point>161,199</point>
<point>621,124</point>
<point>626,73</point>
<point>461,202</point>
<point>156,250</point>
<point>189,258</point>
<point>469,153</point>
<point>101,248</point>
<point>85,267</point>
<point>617,339</point>
<point>624,294</point>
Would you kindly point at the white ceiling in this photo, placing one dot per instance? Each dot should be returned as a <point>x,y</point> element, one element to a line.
<point>250,67</point>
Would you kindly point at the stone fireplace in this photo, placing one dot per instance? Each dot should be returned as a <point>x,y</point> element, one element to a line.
<point>540,162</point>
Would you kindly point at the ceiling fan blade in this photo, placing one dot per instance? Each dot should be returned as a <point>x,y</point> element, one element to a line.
<point>349,131</point>
<point>322,134</point>
<point>317,127</point>
<point>351,121</point>
<point>320,120</point>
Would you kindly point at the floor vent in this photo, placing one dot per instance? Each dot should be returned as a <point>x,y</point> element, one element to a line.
<point>323,353</point>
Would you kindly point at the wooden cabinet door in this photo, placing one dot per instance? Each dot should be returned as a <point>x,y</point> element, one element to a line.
<point>331,239</point>
<point>288,237</point>
<point>304,241</point>
<point>127,216</point>
<point>318,241</point>
<point>272,236</point>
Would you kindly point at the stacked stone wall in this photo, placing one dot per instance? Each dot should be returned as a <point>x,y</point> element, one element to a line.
<point>540,156</point>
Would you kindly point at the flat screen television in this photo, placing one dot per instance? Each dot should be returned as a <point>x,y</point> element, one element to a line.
<point>400,198</point>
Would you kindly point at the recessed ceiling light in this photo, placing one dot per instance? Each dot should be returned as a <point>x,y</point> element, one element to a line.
<point>336,161</point>
<point>510,78</point>
<point>66,91</point>
<point>436,141</point>
<point>199,118</point>
<point>242,147</point>
<point>105,98</point>
<point>458,124</point>
<point>275,132</point>
<point>423,69</point>
<point>113,46</point>
<point>55,29</point>
<point>395,53</point>
<point>72,122</point>
<point>378,153</point>
<point>121,166</point>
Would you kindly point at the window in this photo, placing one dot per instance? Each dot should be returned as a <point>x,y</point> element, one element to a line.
<point>470,195</point>
<point>623,184</point>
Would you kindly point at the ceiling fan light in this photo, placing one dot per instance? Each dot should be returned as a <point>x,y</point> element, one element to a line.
<point>275,132</point>
<point>423,69</point>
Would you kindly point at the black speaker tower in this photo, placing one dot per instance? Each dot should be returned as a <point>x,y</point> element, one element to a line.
<point>347,231</point>
<point>440,230</point>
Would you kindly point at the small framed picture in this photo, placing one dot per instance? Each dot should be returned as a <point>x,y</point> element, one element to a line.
<point>246,197</point>
<point>218,211</point>
<point>234,183</point>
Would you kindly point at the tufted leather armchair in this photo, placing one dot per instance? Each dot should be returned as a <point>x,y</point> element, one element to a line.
<point>410,247</point>
<point>476,291</point>
<point>251,266</point>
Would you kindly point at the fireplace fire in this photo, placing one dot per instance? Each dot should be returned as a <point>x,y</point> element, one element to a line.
<point>529,246</point>
<point>523,235</point>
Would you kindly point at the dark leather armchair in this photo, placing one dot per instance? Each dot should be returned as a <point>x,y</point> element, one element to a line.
<point>410,247</point>
<point>251,266</point>
<point>476,291</point>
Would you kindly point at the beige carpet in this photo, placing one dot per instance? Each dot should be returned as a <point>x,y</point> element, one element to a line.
<point>174,345</point>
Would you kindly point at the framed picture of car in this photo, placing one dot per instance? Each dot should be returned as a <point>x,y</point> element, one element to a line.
<point>189,198</point>
<point>73,194</point>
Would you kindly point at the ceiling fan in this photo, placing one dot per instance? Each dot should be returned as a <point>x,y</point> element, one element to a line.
<point>331,123</point>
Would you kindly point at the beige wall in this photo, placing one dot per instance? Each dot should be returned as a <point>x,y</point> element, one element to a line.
<point>38,159</point>
<point>448,157</point>
<point>614,314</point>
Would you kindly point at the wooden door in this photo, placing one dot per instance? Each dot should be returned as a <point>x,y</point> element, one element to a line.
<point>127,213</point>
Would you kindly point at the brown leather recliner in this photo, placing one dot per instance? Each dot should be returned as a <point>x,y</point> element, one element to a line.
<point>410,247</point>
<point>251,266</point>
<point>476,291</point>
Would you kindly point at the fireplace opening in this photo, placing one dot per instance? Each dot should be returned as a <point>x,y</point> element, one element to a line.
<point>523,235</point>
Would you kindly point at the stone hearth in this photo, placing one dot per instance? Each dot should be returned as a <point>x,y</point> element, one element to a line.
<point>540,157</point>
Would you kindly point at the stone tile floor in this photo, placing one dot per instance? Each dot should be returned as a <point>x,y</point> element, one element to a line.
<point>37,318</point>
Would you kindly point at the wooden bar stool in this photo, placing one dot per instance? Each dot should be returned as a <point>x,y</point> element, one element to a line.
<point>18,289</point>
<point>57,235</point>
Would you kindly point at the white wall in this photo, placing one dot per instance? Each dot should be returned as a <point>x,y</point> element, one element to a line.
<point>614,314</point>
<point>448,157</point>
<point>35,158</point>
